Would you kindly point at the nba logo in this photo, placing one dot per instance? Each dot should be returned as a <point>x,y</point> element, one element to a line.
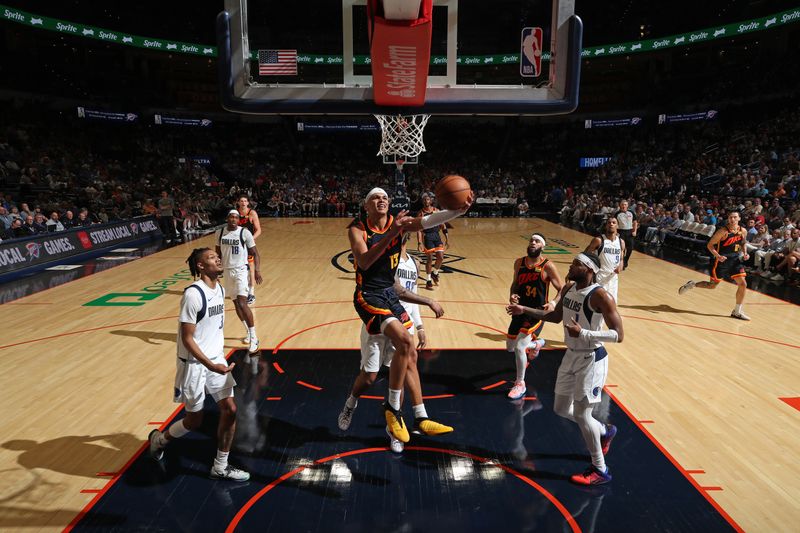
<point>530,58</point>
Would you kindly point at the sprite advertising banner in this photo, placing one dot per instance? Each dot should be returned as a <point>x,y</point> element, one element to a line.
<point>632,47</point>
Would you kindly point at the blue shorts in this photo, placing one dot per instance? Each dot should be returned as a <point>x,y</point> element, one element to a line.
<point>432,242</point>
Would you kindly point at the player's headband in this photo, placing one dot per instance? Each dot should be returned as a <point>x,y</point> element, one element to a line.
<point>373,192</point>
<point>586,260</point>
<point>539,237</point>
<point>233,212</point>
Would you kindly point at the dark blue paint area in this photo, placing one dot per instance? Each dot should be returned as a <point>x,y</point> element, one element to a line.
<point>420,490</point>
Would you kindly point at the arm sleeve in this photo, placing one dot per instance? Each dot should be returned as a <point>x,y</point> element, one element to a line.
<point>190,306</point>
<point>415,316</point>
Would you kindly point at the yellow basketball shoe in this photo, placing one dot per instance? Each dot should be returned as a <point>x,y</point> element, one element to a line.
<point>395,423</point>
<point>426,426</point>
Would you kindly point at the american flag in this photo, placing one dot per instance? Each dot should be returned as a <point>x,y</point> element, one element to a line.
<point>277,62</point>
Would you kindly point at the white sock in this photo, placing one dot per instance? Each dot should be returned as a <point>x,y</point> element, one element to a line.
<point>221,461</point>
<point>250,291</point>
<point>251,332</point>
<point>738,308</point>
<point>351,402</point>
<point>419,411</point>
<point>177,430</point>
<point>540,342</point>
<point>394,399</point>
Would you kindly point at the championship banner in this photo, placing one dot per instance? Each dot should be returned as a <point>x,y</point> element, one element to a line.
<point>713,33</point>
<point>107,115</point>
<point>611,123</point>
<point>177,121</point>
<point>687,117</point>
<point>45,248</point>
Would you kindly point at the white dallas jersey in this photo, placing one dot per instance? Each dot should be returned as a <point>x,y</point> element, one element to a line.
<point>233,245</point>
<point>610,253</point>
<point>576,306</point>
<point>407,275</point>
<point>208,314</point>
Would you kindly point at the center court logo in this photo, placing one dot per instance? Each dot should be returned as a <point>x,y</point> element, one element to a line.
<point>343,261</point>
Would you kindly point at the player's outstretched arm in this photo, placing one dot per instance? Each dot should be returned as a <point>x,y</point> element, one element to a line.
<point>187,335</point>
<point>603,302</point>
<point>556,315</point>
<point>436,218</point>
<point>414,298</point>
<point>593,245</point>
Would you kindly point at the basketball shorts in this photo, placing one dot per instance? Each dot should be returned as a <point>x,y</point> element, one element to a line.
<point>609,281</point>
<point>582,374</point>
<point>432,242</point>
<point>376,351</point>
<point>193,381</point>
<point>236,281</point>
<point>525,325</point>
<point>729,269</point>
<point>378,308</point>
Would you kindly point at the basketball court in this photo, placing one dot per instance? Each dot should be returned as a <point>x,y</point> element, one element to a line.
<point>706,406</point>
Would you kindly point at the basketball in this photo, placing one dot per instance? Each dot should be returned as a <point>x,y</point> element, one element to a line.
<point>452,191</point>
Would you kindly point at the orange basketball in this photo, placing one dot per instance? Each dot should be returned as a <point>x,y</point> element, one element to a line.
<point>452,191</point>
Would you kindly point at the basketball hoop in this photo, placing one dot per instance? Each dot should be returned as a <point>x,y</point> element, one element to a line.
<point>401,136</point>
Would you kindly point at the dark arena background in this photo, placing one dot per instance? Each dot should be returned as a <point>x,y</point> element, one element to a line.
<point>128,132</point>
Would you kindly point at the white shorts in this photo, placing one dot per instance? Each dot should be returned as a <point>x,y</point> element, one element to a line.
<point>581,376</point>
<point>236,282</point>
<point>376,350</point>
<point>609,282</point>
<point>193,380</point>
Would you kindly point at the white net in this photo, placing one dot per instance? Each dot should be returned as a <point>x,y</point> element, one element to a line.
<point>401,135</point>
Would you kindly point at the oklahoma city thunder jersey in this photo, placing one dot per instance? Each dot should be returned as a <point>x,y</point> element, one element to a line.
<point>576,306</point>
<point>532,289</point>
<point>380,275</point>
<point>731,243</point>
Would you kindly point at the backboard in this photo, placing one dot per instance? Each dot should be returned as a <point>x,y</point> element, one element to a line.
<point>315,58</point>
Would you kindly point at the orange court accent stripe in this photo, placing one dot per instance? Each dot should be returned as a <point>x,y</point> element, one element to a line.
<point>438,396</point>
<point>794,402</point>
<point>154,423</point>
<point>677,465</point>
<point>91,491</point>
<point>711,488</point>
<point>106,474</point>
<point>645,421</point>
<point>368,397</point>
<point>695,471</point>
<point>530,398</point>
<point>309,385</point>
<point>493,385</point>
<point>273,398</point>
<point>277,367</point>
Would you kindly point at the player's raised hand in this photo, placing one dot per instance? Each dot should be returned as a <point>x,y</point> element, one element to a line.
<point>222,368</point>
<point>515,309</point>
<point>468,202</point>
<point>402,219</point>
<point>574,329</point>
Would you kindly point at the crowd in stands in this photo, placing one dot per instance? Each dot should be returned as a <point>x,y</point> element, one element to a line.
<point>55,176</point>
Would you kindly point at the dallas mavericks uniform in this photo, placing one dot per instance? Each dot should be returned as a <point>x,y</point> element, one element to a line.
<point>233,245</point>
<point>585,365</point>
<point>610,257</point>
<point>377,350</point>
<point>205,307</point>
